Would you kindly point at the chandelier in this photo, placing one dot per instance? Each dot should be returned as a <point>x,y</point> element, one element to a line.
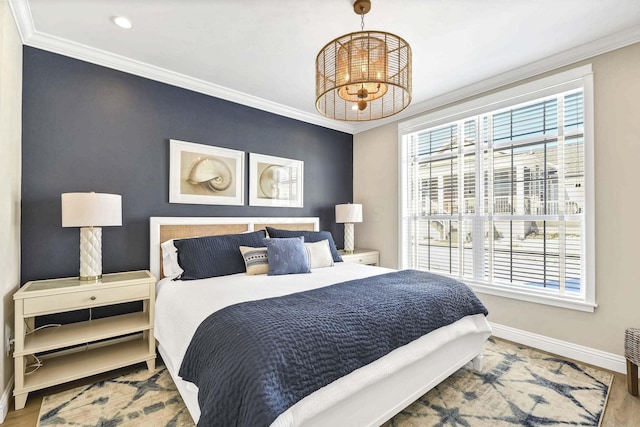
<point>364,75</point>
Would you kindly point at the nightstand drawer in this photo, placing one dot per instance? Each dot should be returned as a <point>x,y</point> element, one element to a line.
<point>361,256</point>
<point>84,299</point>
<point>366,258</point>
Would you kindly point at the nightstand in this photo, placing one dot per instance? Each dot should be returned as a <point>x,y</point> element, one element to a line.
<point>89,347</point>
<point>361,256</point>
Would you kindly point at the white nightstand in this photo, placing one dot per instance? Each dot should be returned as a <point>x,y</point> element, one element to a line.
<point>361,256</point>
<point>111,342</point>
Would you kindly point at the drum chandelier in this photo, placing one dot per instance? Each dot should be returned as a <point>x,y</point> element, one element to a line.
<point>364,75</point>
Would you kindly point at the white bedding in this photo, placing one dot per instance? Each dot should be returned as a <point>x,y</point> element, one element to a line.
<point>182,306</point>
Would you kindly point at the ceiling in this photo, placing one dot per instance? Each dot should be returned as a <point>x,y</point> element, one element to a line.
<point>262,53</point>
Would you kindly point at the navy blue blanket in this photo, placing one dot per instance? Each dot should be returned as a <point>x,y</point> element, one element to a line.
<point>252,361</point>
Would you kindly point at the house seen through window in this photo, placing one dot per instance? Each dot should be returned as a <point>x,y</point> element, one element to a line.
<point>497,199</point>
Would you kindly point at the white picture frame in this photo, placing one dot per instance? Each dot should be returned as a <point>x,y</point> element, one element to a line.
<point>275,181</point>
<point>204,174</point>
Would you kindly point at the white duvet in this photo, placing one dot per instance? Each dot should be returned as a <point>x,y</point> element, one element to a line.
<point>182,306</point>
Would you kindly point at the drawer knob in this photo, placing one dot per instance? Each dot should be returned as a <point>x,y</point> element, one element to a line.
<point>93,298</point>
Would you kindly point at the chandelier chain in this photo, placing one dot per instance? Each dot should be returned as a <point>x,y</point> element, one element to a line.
<point>362,19</point>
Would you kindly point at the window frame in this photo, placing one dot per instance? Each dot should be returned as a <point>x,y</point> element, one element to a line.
<point>580,77</point>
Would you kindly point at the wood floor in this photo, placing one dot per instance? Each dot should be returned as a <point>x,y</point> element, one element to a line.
<point>623,410</point>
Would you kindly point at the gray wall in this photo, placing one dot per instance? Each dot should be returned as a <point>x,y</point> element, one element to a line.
<point>617,151</point>
<point>90,128</point>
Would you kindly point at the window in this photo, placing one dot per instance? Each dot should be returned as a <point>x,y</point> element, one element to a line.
<point>500,194</point>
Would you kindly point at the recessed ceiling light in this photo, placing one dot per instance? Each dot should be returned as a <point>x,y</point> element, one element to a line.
<point>122,22</point>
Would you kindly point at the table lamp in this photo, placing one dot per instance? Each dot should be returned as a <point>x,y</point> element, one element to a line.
<point>90,211</point>
<point>348,214</point>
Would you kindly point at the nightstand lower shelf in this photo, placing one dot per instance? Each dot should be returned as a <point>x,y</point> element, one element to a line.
<point>82,332</point>
<point>57,370</point>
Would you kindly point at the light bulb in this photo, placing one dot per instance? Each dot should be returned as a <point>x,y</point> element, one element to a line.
<point>122,22</point>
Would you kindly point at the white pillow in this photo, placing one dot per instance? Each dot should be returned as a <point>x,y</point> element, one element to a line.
<point>170,266</point>
<point>319,254</point>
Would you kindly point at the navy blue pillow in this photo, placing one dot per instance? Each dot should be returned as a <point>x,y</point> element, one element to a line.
<point>309,236</point>
<point>215,256</point>
<point>287,256</point>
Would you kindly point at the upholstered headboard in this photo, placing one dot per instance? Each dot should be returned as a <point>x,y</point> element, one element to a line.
<point>165,228</point>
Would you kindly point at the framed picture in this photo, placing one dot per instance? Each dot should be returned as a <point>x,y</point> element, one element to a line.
<point>202,174</point>
<point>275,181</point>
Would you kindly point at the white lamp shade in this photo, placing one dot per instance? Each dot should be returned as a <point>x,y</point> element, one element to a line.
<point>349,213</point>
<point>91,209</point>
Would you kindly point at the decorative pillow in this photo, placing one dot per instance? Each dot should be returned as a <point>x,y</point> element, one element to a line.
<point>309,237</point>
<point>319,254</point>
<point>287,256</point>
<point>215,256</point>
<point>255,259</point>
<point>170,266</point>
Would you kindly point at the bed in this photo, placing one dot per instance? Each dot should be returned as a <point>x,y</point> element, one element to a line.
<point>367,396</point>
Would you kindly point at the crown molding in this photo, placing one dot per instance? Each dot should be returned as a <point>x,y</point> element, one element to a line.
<point>31,37</point>
<point>142,69</point>
<point>588,50</point>
<point>23,19</point>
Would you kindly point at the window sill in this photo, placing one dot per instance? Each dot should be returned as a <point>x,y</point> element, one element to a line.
<point>535,297</point>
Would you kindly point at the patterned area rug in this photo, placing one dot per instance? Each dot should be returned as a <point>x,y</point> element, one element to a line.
<point>518,386</point>
<point>141,398</point>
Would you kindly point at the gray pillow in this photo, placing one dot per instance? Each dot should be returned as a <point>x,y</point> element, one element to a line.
<point>287,256</point>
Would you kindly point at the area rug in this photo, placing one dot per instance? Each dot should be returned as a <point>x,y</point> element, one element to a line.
<point>518,386</point>
<point>141,398</point>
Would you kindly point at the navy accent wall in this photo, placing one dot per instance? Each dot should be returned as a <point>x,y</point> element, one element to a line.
<point>91,128</point>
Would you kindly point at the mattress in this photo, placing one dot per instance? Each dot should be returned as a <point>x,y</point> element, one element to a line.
<point>182,306</point>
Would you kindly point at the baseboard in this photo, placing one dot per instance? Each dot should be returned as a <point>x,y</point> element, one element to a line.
<point>5,399</point>
<point>602,359</point>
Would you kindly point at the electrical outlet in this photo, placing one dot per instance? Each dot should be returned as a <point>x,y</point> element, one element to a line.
<point>8,341</point>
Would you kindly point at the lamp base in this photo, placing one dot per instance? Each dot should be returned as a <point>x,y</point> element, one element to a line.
<point>90,253</point>
<point>348,237</point>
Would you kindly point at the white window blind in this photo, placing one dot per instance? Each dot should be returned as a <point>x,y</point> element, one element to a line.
<point>497,199</point>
